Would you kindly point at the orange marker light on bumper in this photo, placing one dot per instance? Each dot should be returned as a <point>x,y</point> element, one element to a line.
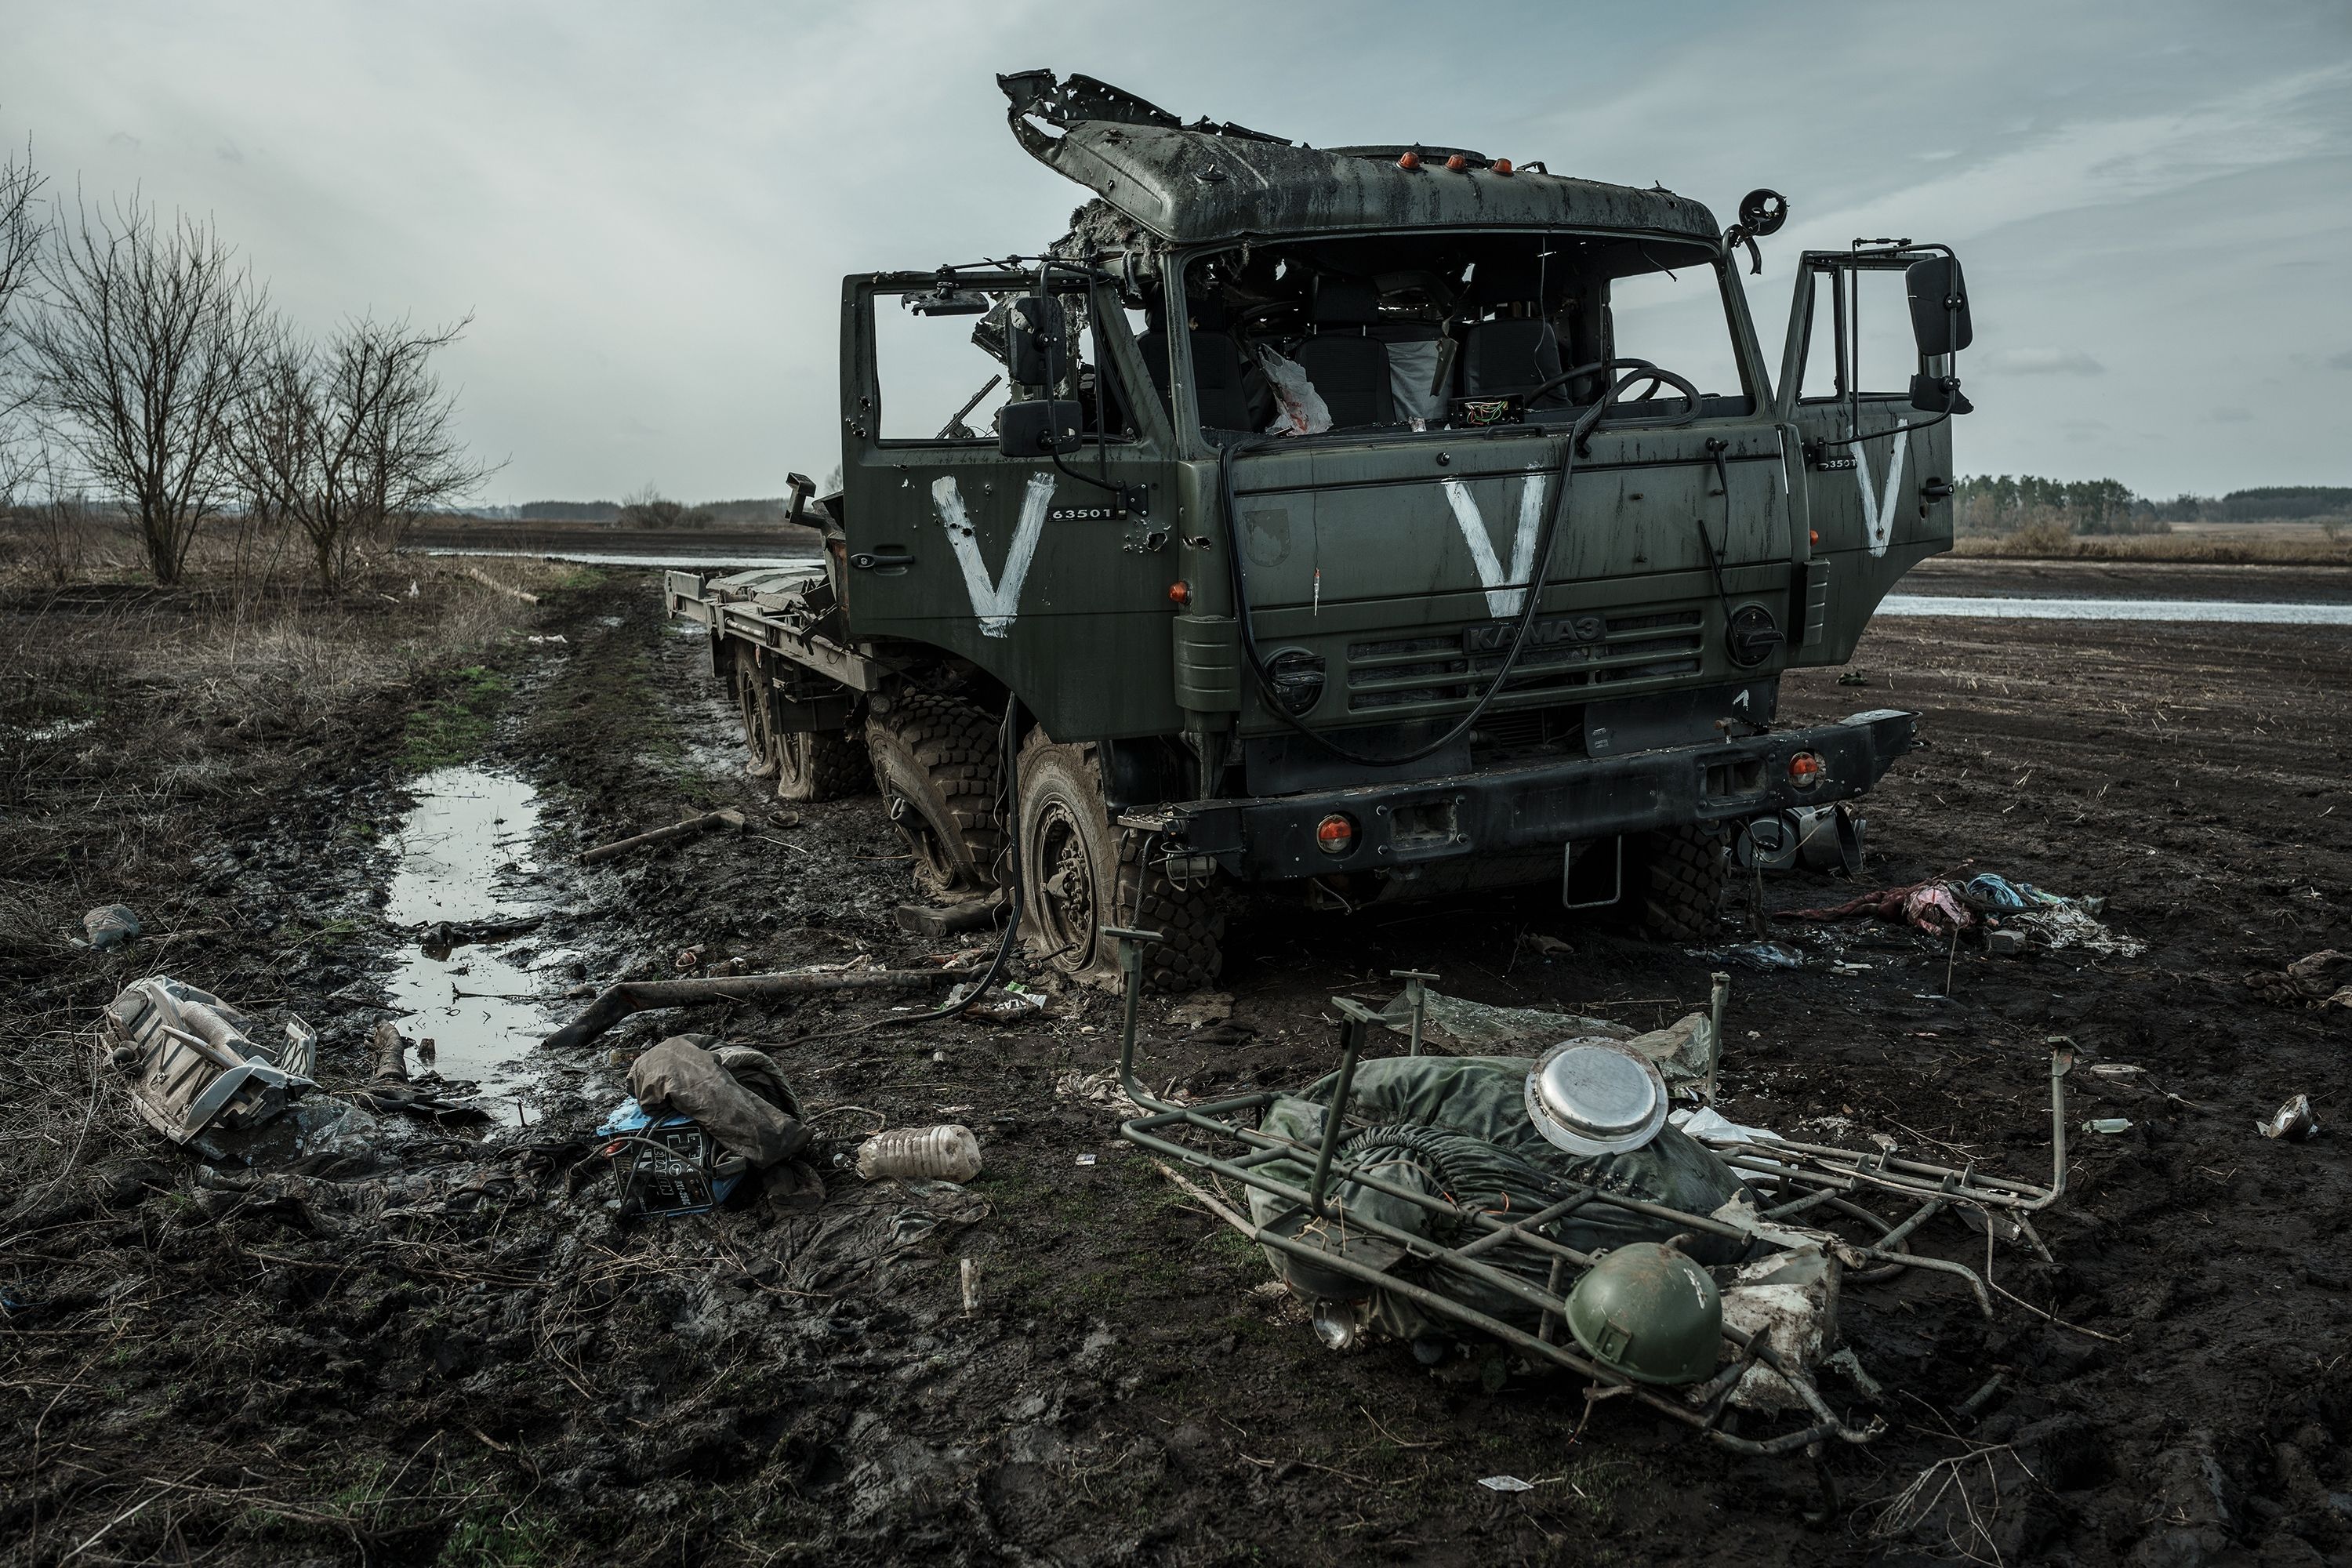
<point>1335,834</point>
<point>1180,592</point>
<point>1804,770</point>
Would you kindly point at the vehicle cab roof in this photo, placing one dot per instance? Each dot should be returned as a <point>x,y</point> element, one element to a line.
<point>1198,184</point>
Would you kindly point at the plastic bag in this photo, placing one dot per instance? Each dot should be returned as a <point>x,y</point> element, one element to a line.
<point>1302,411</point>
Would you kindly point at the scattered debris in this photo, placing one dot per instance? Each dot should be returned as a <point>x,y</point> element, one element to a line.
<point>1506,1484</point>
<point>2108,1124</point>
<point>1201,1007</point>
<point>615,1003</point>
<point>2323,979</point>
<point>110,925</point>
<point>1791,1299</point>
<point>1086,1159</point>
<point>1933,906</point>
<point>1012,1003</point>
<point>191,1064</point>
<point>734,1093</point>
<point>1754,955</point>
<point>946,1153</point>
<point>731,819</point>
<point>937,920</point>
<point>2293,1121</point>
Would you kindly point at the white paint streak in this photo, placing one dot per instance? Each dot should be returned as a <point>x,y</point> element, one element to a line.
<point>1503,600</point>
<point>996,600</point>
<point>1878,514</point>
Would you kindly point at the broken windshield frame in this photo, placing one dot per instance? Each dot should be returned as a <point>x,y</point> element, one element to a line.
<point>1254,294</point>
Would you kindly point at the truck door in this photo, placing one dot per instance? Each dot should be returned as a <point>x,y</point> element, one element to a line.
<point>1875,473</point>
<point>1021,565</point>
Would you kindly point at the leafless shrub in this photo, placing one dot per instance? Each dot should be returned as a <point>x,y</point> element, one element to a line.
<point>142,343</point>
<point>347,444</point>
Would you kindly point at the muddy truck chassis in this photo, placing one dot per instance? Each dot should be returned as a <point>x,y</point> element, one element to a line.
<point>1319,528</point>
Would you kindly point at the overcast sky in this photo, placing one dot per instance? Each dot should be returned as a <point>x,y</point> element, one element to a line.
<point>647,209</point>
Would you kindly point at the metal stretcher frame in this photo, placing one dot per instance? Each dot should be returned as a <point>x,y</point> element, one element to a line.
<point>1154,1132</point>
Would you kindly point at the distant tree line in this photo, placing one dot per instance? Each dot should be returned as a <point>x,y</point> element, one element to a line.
<point>146,379</point>
<point>2006,504</point>
<point>650,509</point>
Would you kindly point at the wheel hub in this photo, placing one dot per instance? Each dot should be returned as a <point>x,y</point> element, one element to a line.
<point>1066,885</point>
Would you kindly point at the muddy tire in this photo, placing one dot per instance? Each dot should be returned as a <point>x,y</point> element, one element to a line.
<point>1081,874</point>
<point>935,762</point>
<point>823,765</point>
<point>750,687</point>
<point>1674,881</point>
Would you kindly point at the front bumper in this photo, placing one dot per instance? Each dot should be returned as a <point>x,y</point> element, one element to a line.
<point>1517,810</point>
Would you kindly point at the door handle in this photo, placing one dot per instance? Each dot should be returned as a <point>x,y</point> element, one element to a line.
<point>867,559</point>
<point>1935,489</point>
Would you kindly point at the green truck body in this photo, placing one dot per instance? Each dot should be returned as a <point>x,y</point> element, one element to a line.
<point>1078,559</point>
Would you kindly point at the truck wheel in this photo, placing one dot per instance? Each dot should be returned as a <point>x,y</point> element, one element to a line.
<point>935,760</point>
<point>824,764</point>
<point>1674,879</point>
<point>751,689</point>
<point>1081,874</point>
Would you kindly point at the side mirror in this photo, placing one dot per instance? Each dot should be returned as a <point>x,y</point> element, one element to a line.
<point>1940,306</point>
<point>1036,428</point>
<point>1035,328</point>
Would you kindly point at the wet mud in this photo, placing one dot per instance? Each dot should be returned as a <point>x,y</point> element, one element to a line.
<point>469,1358</point>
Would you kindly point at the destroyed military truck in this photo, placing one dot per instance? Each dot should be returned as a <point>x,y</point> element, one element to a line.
<point>1193,556</point>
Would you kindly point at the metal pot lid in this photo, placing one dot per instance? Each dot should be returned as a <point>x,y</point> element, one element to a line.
<point>1596,1096</point>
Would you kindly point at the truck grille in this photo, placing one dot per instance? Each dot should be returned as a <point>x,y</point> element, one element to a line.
<point>1433,668</point>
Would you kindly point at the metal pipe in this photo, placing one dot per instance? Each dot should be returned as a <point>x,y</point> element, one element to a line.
<point>1351,1035</point>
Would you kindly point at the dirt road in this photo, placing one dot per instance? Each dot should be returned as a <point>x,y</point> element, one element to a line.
<point>458,1359</point>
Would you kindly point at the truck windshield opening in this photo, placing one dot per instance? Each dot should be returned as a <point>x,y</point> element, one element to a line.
<point>1394,333</point>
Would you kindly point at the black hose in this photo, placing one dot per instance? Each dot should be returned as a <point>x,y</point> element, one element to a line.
<point>1009,765</point>
<point>1636,370</point>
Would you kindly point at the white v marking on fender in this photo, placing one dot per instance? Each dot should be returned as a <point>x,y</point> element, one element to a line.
<point>1502,601</point>
<point>996,600</point>
<point>1877,514</point>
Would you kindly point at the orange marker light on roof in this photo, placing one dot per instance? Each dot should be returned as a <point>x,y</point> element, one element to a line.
<point>1409,160</point>
<point>1457,163</point>
<point>1180,592</point>
<point>1502,166</point>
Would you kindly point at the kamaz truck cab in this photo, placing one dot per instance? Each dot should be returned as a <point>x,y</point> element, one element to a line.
<point>1356,523</point>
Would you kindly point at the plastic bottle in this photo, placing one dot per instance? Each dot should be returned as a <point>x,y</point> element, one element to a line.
<point>948,1154</point>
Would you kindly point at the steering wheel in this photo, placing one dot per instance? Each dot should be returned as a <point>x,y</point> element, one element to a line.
<point>1636,370</point>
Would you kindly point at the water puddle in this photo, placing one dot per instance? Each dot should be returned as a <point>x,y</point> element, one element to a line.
<point>2213,611</point>
<point>465,855</point>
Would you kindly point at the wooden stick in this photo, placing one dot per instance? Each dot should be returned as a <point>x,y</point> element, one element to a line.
<point>708,820</point>
<point>615,1003</point>
<point>487,581</point>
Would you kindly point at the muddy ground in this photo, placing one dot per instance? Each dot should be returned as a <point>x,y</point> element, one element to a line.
<point>455,1359</point>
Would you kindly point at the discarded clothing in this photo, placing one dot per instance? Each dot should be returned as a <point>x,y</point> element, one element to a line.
<point>735,1094</point>
<point>1933,906</point>
<point>1456,1129</point>
<point>2323,979</point>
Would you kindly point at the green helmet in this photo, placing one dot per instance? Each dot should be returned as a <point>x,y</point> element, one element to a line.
<point>1650,1313</point>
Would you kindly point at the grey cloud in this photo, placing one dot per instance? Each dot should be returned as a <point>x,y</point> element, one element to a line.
<point>2232,414</point>
<point>2340,361</point>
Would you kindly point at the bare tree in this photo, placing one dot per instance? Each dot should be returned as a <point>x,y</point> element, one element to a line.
<point>20,238</point>
<point>138,355</point>
<point>350,442</point>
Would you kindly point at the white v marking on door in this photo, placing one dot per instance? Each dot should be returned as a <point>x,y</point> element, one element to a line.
<point>996,600</point>
<point>1502,601</point>
<point>1877,514</point>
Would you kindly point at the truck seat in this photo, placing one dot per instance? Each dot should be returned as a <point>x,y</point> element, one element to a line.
<point>1510,353</point>
<point>1217,389</point>
<point>1347,365</point>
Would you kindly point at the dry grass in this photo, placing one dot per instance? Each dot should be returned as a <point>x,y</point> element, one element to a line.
<point>2209,547</point>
